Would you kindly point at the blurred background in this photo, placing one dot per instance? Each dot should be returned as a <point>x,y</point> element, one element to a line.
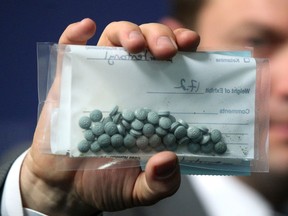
<point>22,25</point>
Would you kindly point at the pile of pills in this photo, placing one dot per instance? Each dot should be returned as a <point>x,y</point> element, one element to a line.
<point>145,130</point>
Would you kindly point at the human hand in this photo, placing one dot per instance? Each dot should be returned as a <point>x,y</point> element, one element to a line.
<point>81,191</point>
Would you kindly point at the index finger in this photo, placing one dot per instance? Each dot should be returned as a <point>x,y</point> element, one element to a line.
<point>78,33</point>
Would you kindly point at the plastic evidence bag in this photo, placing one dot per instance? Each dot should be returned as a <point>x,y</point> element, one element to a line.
<point>211,92</point>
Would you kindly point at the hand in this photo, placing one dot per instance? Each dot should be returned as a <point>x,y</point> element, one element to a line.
<point>81,191</point>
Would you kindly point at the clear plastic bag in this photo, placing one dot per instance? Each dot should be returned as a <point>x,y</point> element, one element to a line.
<point>216,101</point>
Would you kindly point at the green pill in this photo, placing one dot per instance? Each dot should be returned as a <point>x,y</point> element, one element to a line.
<point>205,139</point>
<point>169,140</point>
<point>165,123</point>
<point>184,141</point>
<point>180,132</point>
<point>96,115</point>
<point>153,117</point>
<point>85,122</point>
<point>106,120</point>
<point>121,129</point>
<point>193,147</point>
<point>172,118</point>
<point>135,133</point>
<point>183,123</point>
<point>129,141</point>
<point>199,139</point>
<point>89,135</point>
<point>84,146</point>
<point>114,111</point>
<point>117,118</point>
<point>141,114</point>
<point>174,125</point>
<point>160,148</point>
<point>104,140</point>
<point>160,131</point>
<point>142,142</point>
<point>110,128</point>
<point>134,149</point>
<point>121,149</point>
<point>97,128</point>
<point>216,135</point>
<point>117,140</point>
<point>128,115</point>
<point>208,147</point>
<point>126,124</point>
<point>95,147</point>
<point>172,147</point>
<point>147,149</point>
<point>220,147</point>
<point>148,129</point>
<point>108,149</point>
<point>164,113</point>
<point>204,129</point>
<point>137,125</point>
<point>194,132</point>
<point>155,141</point>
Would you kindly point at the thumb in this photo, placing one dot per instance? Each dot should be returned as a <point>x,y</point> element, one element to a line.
<point>160,179</point>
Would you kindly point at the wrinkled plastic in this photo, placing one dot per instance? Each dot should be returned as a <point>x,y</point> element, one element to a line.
<point>227,91</point>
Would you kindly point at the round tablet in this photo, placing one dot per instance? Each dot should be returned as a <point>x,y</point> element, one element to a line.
<point>135,133</point>
<point>165,123</point>
<point>114,111</point>
<point>169,139</point>
<point>134,149</point>
<point>117,140</point>
<point>174,125</point>
<point>193,147</point>
<point>165,113</point>
<point>97,128</point>
<point>95,147</point>
<point>110,128</point>
<point>142,142</point>
<point>183,123</point>
<point>121,129</point>
<point>128,115</point>
<point>107,119</point>
<point>89,135</point>
<point>104,140</point>
<point>96,115</point>
<point>184,141</point>
<point>220,147</point>
<point>141,114</point>
<point>204,129</point>
<point>129,141</point>
<point>160,131</point>
<point>116,118</point>
<point>84,146</point>
<point>205,139</point>
<point>155,141</point>
<point>153,117</point>
<point>194,132</point>
<point>148,129</point>
<point>137,125</point>
<point>208,147</point>
<point>216,135</point>
<point>180,132</point>
<point>85,122</point>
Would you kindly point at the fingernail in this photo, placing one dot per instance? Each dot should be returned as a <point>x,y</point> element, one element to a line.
<point>166,170</point>
<point>135,35</point>
<point>166,41</point>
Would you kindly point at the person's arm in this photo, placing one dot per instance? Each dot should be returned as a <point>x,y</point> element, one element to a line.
<point>86,192</point>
